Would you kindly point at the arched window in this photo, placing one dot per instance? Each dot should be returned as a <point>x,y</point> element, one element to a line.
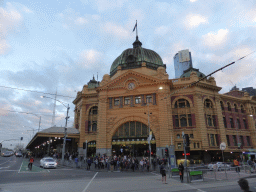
<point>178,136</point>
<point>222,105</point>
<point>94,110</point>
<point>132,129</point>
<point>236,109</point>
<point>242,109</point>
<point>181,103</point>
<point>208,103</point>
<point>92,119</point>
<point>229,107</point>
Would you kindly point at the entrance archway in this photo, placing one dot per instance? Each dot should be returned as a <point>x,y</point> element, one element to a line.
<point>131,138</point>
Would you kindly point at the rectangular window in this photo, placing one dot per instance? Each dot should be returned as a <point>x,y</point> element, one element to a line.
<point>225,122</point>
<point>189,120</point>
<point>149,98</point>
<point>183,121</point>
<point>116,101</point>
<point>191,136</point>
<point>234,140</point>
<point>176,121</point>
<point>248,141</point>
<point>212,140</point>
<point>94,126</point>
<point>194,145</point>
<point>228,142</point>
<point>198,146</point>
<point>179,145</point>
<point>231,122</point>
<point>245,124</point>
<point>241,140</point>
<point>238,124</point>
<point>214,121</point>
<point>89,126</point>
<point>137,99</point>
<point>209,120</point>
<point>127,101</point>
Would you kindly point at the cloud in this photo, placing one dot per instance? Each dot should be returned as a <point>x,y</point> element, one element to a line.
<point>162,30</point>
<point>90,58</point>
<point>212,39</point>
<point>10,22</point>
<point>194,20</point>
<point>116,30</point>
<point>193,1</point>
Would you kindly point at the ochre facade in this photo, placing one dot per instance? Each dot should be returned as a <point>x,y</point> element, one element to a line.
<point>145,94</point>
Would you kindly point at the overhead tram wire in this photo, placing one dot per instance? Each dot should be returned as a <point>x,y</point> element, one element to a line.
<point>33,91</point>
<point>220,69</point>
<point>27,112</point>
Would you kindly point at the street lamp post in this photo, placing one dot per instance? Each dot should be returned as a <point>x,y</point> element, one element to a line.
<point>149,137</point>
<point>65,128</point>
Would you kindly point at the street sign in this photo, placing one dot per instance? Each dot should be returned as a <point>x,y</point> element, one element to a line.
<point>223,146</point>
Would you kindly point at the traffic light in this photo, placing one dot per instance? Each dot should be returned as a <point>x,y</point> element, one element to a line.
<point>84,145</point>
<point>187,149</point>
<point>187,140</point>
<point>21,138</point>
<point>166,152</point>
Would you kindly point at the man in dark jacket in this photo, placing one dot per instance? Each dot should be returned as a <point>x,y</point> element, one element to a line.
<point>89,162</point>
<point>181,172</point>
<point>243,183</point>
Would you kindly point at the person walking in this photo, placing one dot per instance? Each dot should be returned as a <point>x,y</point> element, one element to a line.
<point>243,183</point>
<point>89,162</point>
<point>181,172</point>
<point>163,172</point>
<point>31,161</point>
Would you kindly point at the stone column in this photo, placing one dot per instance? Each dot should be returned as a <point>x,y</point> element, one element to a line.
<point>220,122</point>
<point>200,120</point>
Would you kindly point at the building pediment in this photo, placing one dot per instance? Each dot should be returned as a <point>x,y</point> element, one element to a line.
<point>133,77</point>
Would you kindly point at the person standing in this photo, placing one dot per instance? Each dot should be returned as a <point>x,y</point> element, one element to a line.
<point>243,183</point>
<point>89,162</point>
<point>163,172</point>
<point>181,172</point>
<point>31,161</point>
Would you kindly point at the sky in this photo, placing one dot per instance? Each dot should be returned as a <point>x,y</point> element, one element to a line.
<point>48,46</point>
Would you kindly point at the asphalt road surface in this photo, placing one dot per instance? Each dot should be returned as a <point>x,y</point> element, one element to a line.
<point>14,178</point>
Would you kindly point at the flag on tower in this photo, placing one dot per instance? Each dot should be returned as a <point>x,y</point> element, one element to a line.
<point>135,26</point>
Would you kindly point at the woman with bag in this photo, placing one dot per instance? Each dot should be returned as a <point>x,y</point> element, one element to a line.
<point>163,172</point>
<point>181,172</point>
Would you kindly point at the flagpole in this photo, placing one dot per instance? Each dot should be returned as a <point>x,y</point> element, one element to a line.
<point>136,29</point>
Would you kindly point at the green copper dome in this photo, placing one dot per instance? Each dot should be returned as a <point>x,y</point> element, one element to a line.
<point>133,58</point>
<point>187,73</point>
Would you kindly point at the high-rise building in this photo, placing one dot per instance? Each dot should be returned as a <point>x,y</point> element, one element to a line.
<point>182,62</point>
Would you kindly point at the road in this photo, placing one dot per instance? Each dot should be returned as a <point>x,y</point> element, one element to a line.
<point>15,179</point>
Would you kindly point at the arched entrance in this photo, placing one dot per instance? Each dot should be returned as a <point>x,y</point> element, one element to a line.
<point>131,139</point>
<point>91,149</point>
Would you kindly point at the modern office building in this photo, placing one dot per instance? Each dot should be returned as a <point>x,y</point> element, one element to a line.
<point>182,62</point>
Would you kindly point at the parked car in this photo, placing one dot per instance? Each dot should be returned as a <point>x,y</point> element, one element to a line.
<point>219,166</point>
<point>18,154</point>
<point>7,153</point>
<point>48,162</point>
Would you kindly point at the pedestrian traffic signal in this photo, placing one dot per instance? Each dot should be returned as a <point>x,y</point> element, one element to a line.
<point>84,145</point>
<point>187,140</point>
<point>187,149</point>
<point>166,152</point>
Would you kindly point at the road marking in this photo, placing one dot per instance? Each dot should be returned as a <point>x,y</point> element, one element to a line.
<point>8,170</point>
<point>194,188</point>
<point>90,182</point>
<point>6,162</point>
<point>4,167</point>
<point>155,174</point>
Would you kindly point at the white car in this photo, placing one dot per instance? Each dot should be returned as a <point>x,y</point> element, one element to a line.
<point>48,162</point>
<point>222,166</point>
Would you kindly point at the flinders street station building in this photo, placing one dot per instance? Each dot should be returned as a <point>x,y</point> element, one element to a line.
<point>138,98</point>
<point>114,116</point>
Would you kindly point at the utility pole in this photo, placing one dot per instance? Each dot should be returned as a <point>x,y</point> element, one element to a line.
<point>65,136</point>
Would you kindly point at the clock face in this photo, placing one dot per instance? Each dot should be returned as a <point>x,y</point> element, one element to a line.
<point>131,86</point>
